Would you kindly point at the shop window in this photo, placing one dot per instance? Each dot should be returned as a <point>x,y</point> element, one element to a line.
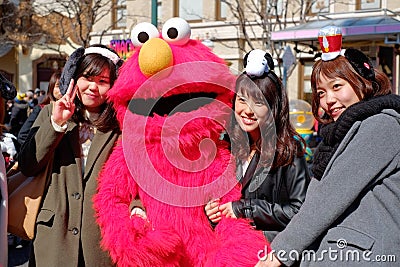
<point>189,10</point>
<point>159,9</point>
<point>275,7</point>
<point>44,67</point>
<point>368,4</point>
<point>221,9</point>
<point>320,6</point>
<point>386,59</point>
<point>119,14</point>
<point>305,92</point>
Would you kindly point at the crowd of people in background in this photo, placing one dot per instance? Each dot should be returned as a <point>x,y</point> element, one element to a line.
<point>20,114</point>
<point>17,112</point>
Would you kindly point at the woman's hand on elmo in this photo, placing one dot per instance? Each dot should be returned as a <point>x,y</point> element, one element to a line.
<point>212,211</point>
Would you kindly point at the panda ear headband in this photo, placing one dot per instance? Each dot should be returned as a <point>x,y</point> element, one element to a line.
<point>257,63</point>
<point>75,59</point>
<point>330,40</point>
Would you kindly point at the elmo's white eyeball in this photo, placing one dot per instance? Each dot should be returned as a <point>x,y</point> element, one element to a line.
<point>143,32</point>
<point>176,31</point>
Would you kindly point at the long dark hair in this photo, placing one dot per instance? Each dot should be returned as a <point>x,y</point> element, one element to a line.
<point>52,84</point>
<point>55,77</point>
<point>340,67</point>
<point>93,65</point>
<point>278,145</point>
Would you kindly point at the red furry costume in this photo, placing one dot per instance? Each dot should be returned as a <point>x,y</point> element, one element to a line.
<point>172,158</point>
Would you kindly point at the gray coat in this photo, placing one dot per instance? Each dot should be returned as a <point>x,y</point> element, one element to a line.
<point>351,217</point>
<point>66,220</point>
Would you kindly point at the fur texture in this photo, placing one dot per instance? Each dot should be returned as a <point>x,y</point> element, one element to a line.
<point>176,231</point>
<point>70,68</point>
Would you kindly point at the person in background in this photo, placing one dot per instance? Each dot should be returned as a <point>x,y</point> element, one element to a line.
<point>77,132</point>
<point>269,153</point>
<point>53,94</point>
<point>7,92</point>
<point>352,205</point>
<point>53,91</point>
<point>30,98</point>
<point>8,149</point>
<point>40,95</point>
<point>19,113</point>
<point>7,116</point>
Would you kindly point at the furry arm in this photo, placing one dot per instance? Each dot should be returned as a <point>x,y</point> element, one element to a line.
<point>131,241</point>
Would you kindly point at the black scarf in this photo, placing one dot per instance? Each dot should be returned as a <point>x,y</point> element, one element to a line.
<point>332,134</point>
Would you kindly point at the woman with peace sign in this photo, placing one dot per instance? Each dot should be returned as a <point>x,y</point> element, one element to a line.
<point>76,133</point>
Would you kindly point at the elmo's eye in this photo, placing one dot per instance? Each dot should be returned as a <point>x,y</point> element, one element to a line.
<point>176,31</point>
<point>143,32</point>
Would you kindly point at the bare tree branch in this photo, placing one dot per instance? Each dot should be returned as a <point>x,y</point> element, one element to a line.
<point>51,23</point>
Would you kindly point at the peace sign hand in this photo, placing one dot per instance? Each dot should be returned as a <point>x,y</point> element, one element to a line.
<point>63,108</point>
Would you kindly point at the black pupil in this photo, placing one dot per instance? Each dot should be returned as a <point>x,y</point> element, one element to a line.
<point>143,37</point>
<point>172,33</point>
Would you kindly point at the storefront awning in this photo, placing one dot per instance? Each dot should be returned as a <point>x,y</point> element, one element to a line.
<point>353,29</point>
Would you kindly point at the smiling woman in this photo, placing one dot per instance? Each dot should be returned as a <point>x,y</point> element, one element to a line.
<point>356,168</point>
<point>270,163</point>
<point>335,95</point>
<point>78,131</point>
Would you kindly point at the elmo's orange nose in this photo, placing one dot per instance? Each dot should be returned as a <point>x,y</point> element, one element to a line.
<point>154,56</point>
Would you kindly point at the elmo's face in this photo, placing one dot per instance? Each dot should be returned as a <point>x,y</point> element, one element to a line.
<point>169,73</point>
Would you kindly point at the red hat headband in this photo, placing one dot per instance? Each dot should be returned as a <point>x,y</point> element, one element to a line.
<point>330,40</point>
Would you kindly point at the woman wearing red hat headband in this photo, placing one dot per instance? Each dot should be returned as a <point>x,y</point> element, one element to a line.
<point>350,216</point>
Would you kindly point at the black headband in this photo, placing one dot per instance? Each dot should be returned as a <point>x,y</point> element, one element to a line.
<point>361,63</point>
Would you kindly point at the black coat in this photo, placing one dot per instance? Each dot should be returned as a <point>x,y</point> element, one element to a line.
<point>24,131</point>
<point>279,197</point>
<point>19,114</point>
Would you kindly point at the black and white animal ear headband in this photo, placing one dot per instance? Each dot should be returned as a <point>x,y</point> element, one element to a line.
<point>74,59</point>
<point>330,40</point>
<point>257,63</point>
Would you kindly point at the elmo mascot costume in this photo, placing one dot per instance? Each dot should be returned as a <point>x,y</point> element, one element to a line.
<point>173,101</point>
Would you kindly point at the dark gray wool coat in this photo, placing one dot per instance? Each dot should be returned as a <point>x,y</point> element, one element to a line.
<point>351,216</point>
<point>66,222</point>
